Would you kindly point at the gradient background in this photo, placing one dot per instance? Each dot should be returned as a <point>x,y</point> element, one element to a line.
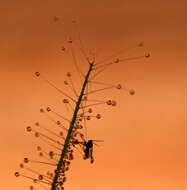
<point>145,135</point>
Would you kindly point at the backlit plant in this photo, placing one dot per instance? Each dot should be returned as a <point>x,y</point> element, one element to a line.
<point>69,134</point>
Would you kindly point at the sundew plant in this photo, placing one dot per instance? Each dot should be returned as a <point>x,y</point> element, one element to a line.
<point>68,135</point>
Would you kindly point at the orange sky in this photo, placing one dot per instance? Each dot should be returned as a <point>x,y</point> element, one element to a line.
<point>145,135</point>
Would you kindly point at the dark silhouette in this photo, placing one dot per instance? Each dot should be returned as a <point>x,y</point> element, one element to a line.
<point>88,149</point>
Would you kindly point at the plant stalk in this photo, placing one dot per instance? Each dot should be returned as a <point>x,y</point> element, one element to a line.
<point>71,128</point>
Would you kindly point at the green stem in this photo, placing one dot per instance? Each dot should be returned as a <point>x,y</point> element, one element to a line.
<point>70,129</point>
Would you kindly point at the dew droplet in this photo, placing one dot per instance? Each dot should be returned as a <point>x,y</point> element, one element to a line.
<point>26,160</point>
<point>68,74</point>
<point>41,154</point>
<point>63,48</point>
<point>67,168</point>
<point>85,98</point>
<point>39,148</point>
<point>56,19</point>
<point>21,165</point>
<point>40,177</point>
<point>17,174</point>
<point>66,82</point>
<point>147,55</point>
<point>37,74</point>
<point>60,183</point>
<point>51,175</point>
<point>37,124</point>
<point>80,126</point>
<point>77,123</point>
<point>48,109</point>
<point>51,153</point>
<point>82,136</point>
<point>61,133</point>
<point>29,129</point>
<point>113,103</point>
<point>74,134</point>
<point>58,123</point>
<point>88,117</point>
<point>82,115</point>
<point>35,180</point>
<point>37,134</point>
<point>65,178</point>
<point>131,91</point>
<point>42,110</point>
<point>141,44</point>
<point>70,40</point>
<point>109,102</point>
<point>90,110</point>
<point>98,116</point>
<point>116,60</point>
<point>71,156</point>
<point>119,86</point>
<point>65,101</point>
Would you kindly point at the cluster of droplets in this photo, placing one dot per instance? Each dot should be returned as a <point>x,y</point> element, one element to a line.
<point>51,156</point>
<point>131,91</point>
<point>64,168</point>
<point>77,137</point>
<point>39,179</point>
<point>85,113</point>
<point>111,102</point>
<point>48,177</point>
